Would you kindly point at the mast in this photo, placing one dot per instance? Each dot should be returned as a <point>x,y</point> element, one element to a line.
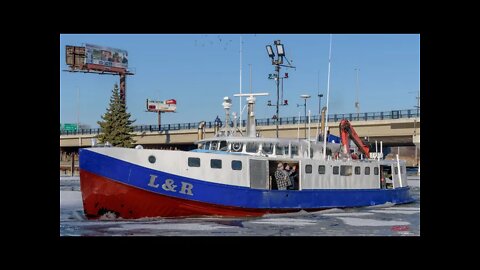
<point>319,104</point>
<point>328,96</point>
<point>250,66</point>
<point>240,108</point>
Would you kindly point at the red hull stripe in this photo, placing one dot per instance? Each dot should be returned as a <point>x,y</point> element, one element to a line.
<point>101,195</point>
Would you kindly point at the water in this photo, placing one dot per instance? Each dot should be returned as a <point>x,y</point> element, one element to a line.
<point>383,220</point>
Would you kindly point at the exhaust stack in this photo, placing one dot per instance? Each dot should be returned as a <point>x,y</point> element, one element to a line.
<point>201,130</point>
<point>251,129</point>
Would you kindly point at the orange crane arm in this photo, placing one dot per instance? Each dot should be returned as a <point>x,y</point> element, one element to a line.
<point>346,133</point>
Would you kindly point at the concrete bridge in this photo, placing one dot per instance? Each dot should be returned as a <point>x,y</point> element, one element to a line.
<point>393,132</point>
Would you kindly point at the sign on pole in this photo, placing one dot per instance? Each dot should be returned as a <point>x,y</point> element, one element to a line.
<point>70,127</point>
<point>169,105</point>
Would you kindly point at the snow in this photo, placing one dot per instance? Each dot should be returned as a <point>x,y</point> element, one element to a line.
<point>407,208</point>
<point>387,204</point>
<point>332,210</point>
<point>413,181</point>
<point>395,211</point>
<point>171,226</point>
<point>292,214</point>
<point>69,178</point>
<point>285,221</point>
<point>70,199</point>
<point>371,222</point>
<point>347,214</point>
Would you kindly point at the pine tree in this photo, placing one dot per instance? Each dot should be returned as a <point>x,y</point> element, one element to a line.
<point>117,126</point>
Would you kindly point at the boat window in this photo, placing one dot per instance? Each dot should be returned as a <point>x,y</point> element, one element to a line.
<point>151,159</point>
<point>223,146</point>
<point>357,170</point>
<point>346,170</point>
<point>295,150</point>
<point>267,148</point>
<point>280,150</point>
<point>214,146</point>
<point>207,146</point>
<point>335,169</point>
<point>308,168</point>
<point>193,162</point>
<point>367,170</point>
<point>251,148</point>
<point>236,165</point>
<point>321,169</point>
<point>396,170</point>
<point>215,163</point>
<point>237,147</point>
<point>375,170</point>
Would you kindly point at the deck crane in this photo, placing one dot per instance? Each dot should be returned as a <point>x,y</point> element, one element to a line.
<point>346,133</point>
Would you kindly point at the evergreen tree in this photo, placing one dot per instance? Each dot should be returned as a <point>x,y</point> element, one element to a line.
<point>116,125</point>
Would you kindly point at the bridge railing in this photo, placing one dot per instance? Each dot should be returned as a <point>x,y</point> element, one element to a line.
<point>394,114</point>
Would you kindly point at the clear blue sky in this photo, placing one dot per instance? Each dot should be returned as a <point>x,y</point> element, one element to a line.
<point>198,70</point>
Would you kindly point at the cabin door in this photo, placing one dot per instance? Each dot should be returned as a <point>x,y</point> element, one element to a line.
<point>259,174</point>
<point>386,178</point>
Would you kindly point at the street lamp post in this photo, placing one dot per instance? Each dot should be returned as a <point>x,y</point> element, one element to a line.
<point>277,63</point>
<point>305,97</point>
<point>319,114</point>
<point>319,104</point>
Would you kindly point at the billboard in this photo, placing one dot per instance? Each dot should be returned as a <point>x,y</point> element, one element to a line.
<point>169,105</point>
<point>75,56</point>
<point>105,56</point>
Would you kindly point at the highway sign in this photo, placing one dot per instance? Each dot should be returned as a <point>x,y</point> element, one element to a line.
<point>70,127</point>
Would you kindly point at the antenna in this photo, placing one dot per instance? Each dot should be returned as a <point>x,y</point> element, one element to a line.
<point>250,65</point>
<point>328,96</point>
<point>240,108</point>
<point>357,103</point>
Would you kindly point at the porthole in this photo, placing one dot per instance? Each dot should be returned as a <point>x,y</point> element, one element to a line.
<point>152,159</point>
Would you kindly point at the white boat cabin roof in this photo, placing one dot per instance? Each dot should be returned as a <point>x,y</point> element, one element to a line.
<point>290,147</point>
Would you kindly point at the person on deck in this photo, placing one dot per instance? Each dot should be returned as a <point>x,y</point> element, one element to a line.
<point>281,177</point>
<point>292,174</point>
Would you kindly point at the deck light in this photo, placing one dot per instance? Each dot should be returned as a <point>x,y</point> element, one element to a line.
<point>280,50</point>
<point>270,51</point>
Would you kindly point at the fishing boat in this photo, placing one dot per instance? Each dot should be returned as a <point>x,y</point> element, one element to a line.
<point>239,174</point>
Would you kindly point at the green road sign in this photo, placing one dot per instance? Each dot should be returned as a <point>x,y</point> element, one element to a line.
<point>70,127</point>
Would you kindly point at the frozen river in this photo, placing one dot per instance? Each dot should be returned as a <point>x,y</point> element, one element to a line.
<point>383,220</point>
